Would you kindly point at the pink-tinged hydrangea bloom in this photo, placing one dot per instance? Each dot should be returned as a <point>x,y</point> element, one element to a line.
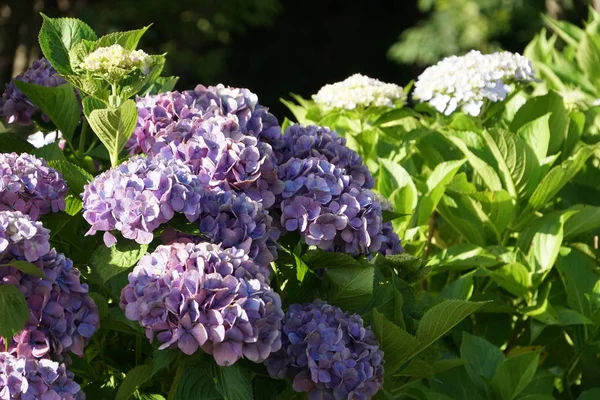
<point>62,316</point>
<point>329,208</point>
<point>328,353</point>
<point>136,197</point>
<point>29,185</point>
<point>199,296</point>
<point>17,107</point>
<point>20,237</point>
<point>32,379</point>
<point>233,220</point>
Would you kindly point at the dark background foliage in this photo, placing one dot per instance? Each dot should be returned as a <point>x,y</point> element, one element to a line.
<point>278,46</point>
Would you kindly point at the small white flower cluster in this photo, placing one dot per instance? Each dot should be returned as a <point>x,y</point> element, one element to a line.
<point>358,91</point>
<point>106,60</point>
<point>465,82</point>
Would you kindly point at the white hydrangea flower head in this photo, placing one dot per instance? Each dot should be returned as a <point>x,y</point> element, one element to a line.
<point>358,91</point>
<point>105,60</point>
<point>465,82</point>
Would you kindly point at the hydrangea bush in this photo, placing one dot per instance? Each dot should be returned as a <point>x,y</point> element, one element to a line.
<point>189,244</point>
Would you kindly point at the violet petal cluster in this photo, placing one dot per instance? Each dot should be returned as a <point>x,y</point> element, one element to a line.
<point>17,107</point>
<point>329,208</point>
<point>320,142</point>
<point>233,220</point>
<point>199,296</point>
<point>139,195</point>
<point>20,237</point>
<point>328,353</point>
<point>31,379</point>
<point>29,185</point>
<point>62,315</point>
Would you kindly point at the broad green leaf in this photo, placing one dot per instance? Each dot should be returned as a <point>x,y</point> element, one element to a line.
<point>397,344</point>
<point>566,316</point>
<point>114,127</point>
<point>75,176</point>
<point>128,39</point>
<point>537,134</point>
<point>14,142</point>
<point>93,87</point>
<point>542,304</point>
<point>514,277</point>
<point>442,317</point>
<point>514,374</point>
<point>135,378</point>
<point>349,288</point>
<point>588,57</point>
<point>391,177</point>
<point>468,218</point>
<point>58,36</point>
<point>232,383</point>
<point>460,289</point>
<point>161,84</point>
<point>301,268</point>
<point>576,127</point>
<point>145,396</point>
<point>586,219</point>
<point>482,360</point>
<point>457,384</point>
<point>134,84</point>
<point>485,171</point>
<point>26,267</point>
<point>162,359</point>
<point>581,281</point>
<point>592,394</point>
<point>111,261</point>
<point>59,103</point>
<point>567,31</point>
<point>50,152</point>
<point>320,259</point>
<point>436,185</point>
<point>13,312</point>
<point>418,369</point>
<point>499,207</point>
<point>462,256</point>
<point>502,156</point>
<point>298,111</point>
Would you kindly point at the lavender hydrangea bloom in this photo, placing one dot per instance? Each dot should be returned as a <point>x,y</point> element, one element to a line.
<point>234,220</point>
<point>29,185</point>
<point>329,208</point>
<point>320,142</point>
<point>22,237</point>
<point>195,296</point>
<point>31,379</point>
<point>138,196</point>
<point>17,107</point>
<point>62,316</point>
<point>328,353</point>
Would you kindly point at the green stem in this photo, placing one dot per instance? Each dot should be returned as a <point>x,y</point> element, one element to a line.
<point>82,137</point>
<point>92,146</point>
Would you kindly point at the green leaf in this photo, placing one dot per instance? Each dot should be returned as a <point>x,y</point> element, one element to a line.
<point>392,177</point>
<point>588,57</point>
<point>349,288</point>
<point>580,279</point>
<point>320,259</point>
<point>49,152</point>
<point>59,103</point>
<point>586,219</point>
<point>75,176</point>
<point>128,39</point>
<point>133,85</point>
<point>135,378</point>
<point>468,218</point>
<point>442,317</point>
<point>58,36</point>
<point>460,289</point>
<point>457,384</point>
<point>537,134</point>
<point>462,256</point>
<point>162,359</point>
<point>196,383</point>
<point>26,267</point>
<point>567,31</point>
<point>441,176</point>
<point>418,369</point>
<point>232,383</point>
<point>485,171</point>
<point>161,84</point>
<point>14,142</point>
<point>111,261</point>
<point>514,277</point>
<point>102,304</point>
<point>591,394</point>
<point>398,345</point>
<point>114,127</point>
<point>482,360</point>
<point>514,374</point>
<point>13,312</point>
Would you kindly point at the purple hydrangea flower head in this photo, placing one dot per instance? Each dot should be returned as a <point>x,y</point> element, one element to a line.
<point>17,107</point>
<point>328,207</point>
<point>328,353</point>
<point>20,237</point>
<point>62,316</point>
<point>320,142</point>
<point>32,379</point>
<point>390,242</point>
<point>234,220</point>
<point>200,296</point>
<point>136,197</point>
<point>29,185</point>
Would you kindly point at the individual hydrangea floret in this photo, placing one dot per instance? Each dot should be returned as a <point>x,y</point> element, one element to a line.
<point>199,296</point>
<point>329,208</point>
<point>116,61</point>
<point>136,197</point>
<point>31,379</point>
<point>233,220</point>
<point>359,91</point>
<point>466,82</point>
<point>317,141</point>
<point>62,315</point>
<point>17,107</point>
<point>29,185</point>
<point>20,237</point>
<point>328,353</point>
